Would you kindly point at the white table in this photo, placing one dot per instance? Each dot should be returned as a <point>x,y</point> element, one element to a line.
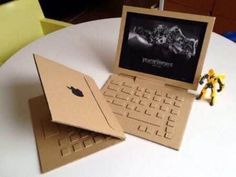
<point>209,145</point>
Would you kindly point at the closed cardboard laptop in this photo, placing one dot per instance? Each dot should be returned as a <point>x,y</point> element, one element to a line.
<point>72,119</point>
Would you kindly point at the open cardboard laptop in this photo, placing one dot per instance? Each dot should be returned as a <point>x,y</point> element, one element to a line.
<point>72,119</point>
<point>160,56</point>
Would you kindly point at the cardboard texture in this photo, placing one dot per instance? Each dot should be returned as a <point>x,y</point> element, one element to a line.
<point>73,99</point>
<point>149,110</point>
<point>59,144</point>
<point>156,54</point>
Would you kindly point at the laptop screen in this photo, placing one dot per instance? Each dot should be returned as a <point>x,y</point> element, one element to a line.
<point>162,46</point>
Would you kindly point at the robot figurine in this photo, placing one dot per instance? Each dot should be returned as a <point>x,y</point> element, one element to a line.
<point>212,80</point>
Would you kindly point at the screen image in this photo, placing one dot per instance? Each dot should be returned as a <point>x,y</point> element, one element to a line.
<point>162,46</point>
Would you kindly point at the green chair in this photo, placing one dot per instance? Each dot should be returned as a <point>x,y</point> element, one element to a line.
<point>22,21</point>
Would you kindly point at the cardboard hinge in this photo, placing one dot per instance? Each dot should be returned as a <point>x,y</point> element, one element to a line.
<point>140,79</point>
<point>176,87</point>
<point>127,76</point>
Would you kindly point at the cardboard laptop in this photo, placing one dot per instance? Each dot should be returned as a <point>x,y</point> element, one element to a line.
<point>160,56</point>
<point>72,119</point>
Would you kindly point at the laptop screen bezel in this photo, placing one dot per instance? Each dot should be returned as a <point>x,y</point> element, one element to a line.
<point>175,15</point>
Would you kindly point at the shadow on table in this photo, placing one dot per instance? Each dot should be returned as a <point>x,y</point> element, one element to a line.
<point>20,94</point>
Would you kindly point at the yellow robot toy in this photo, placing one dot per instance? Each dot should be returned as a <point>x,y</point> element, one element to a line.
<point>212,80</point>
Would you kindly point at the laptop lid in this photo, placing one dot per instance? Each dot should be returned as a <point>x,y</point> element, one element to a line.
<point>74,99</point>
<point>163,45</point>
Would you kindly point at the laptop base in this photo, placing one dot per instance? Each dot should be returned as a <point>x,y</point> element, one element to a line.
<point>149,110</point>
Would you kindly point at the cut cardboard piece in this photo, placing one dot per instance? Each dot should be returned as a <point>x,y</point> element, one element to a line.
<point>87,111</point>
<point>159,56</point>
<point>149,110</point>
<point>73,99</point>
<point>59,144</point>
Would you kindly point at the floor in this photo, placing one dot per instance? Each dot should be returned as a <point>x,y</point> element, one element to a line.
<point>78,11</point>
<point>81,11</point>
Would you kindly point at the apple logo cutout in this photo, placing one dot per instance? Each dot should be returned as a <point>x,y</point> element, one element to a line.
<point>76,91</point>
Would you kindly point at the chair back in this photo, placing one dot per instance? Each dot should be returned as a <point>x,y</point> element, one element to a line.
<point>22,21</point>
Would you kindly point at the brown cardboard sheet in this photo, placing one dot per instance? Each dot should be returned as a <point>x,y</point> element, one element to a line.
<point>59,144</point>
<point>149,110</point>
<point>73,99</point>
<point>62,87</point>
<point>149,93</point>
